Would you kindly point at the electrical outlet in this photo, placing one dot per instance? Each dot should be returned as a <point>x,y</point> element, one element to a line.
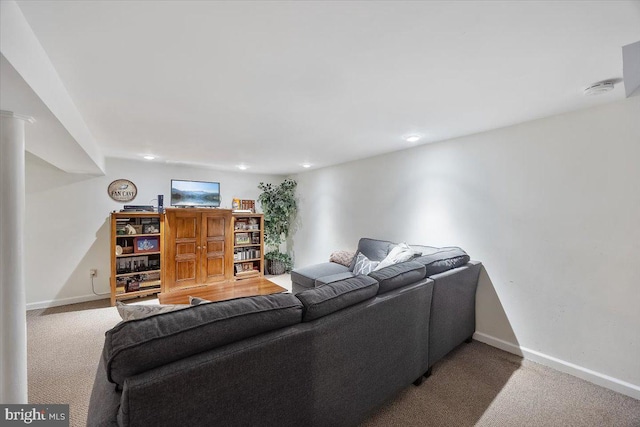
<point>93,272</point>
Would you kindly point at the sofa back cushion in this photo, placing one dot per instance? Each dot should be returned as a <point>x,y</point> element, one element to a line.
<point>442,259</point>
<point>373,249</point>
<point>140,345</point>
<point>398,275</point>
<point>326,299</point>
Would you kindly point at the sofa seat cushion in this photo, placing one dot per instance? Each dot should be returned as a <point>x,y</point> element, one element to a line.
<point>324,300</point>
<point>333,278</point>
<point>442,259</point>
<point>398,275</point>
<point>306,276</point>
<point>140,345</point>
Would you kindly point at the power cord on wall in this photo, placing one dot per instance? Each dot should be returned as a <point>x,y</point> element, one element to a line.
<point>94,290</point>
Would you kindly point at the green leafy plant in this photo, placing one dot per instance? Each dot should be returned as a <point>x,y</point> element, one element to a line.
<point>279,207</point>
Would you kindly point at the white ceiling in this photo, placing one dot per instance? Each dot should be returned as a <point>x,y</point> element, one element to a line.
<point>276,84</point>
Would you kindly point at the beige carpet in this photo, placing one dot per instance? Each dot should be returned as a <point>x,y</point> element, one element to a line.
<point>475,385</point>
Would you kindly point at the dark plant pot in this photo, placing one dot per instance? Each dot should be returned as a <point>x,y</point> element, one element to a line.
<point>275,267</point>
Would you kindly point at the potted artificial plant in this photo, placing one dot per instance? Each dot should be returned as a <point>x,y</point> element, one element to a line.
<point>279,208</point>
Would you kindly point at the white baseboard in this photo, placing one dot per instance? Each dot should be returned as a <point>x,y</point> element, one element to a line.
<point>64,301</point>
<point>598,378</point>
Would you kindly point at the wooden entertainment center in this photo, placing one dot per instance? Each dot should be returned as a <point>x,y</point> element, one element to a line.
<point>202,252</point>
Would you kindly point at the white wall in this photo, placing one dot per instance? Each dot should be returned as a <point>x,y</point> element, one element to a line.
<point>551,208</point>
<point>67,229</point>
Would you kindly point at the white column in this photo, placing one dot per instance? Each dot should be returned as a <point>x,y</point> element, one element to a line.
<point>13,314</point>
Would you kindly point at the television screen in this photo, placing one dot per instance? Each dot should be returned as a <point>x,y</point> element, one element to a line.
<point>195,193</point>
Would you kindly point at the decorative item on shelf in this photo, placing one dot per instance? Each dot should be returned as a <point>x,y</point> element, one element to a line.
<point>279,207</point>
<point>133,286</point>
<point>240,224</point>
<point>122,190</point>
<point>235,204</point>
<point>126,249</point>
<point>129,229</point>
<point>151,228</point>
<point>118,250</point>
<point>243,239</point>
<point>146,244</point>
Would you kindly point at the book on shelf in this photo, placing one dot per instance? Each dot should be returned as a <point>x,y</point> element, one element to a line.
<point>150,284</point>
<point>248,205</point>
<point>246,253</point>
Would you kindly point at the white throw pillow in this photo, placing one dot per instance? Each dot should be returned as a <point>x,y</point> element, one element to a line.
<point>363,265</point>
<point>400,253</point>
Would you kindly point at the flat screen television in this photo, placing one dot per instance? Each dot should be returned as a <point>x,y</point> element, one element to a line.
<point>195,193</point>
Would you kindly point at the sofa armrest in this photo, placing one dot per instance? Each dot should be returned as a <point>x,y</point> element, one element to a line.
<point>443,259</point>
<point>453,309</point>
<point>104,401</point>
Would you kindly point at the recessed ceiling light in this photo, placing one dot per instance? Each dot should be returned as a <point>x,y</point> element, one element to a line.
<point>149,157</point>
<point>306,165</point>
<point>242,167</point>
<point>599,88</point>
<point>412,138</point>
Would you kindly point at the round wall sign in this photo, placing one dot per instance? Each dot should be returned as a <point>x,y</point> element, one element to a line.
<point>122,190</point>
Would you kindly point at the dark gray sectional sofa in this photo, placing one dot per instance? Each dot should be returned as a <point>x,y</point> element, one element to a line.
<point>455,276</point>
<point>327,356</point>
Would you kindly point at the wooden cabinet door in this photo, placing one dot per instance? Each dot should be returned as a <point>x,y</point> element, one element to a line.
<point>183,241</point>
<point>213,245</point>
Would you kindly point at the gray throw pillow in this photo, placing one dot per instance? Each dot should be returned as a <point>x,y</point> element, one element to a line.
<point>364,265</point>
<point>140,311</point>
<point>197,301</point>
